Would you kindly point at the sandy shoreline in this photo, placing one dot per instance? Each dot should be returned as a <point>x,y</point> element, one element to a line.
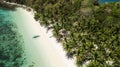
<point>53,51</point>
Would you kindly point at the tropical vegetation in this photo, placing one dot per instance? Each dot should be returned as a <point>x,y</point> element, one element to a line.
<point>88,30</point>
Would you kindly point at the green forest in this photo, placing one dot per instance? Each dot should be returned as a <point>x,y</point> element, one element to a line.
<point>88,31</point>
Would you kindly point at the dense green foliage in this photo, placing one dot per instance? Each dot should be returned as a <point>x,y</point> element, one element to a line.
<point>88,31</point>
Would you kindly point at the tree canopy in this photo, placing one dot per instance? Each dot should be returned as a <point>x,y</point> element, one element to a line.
<point>89,31</point>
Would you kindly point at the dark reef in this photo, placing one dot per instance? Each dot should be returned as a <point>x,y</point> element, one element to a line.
<point>11,48</point>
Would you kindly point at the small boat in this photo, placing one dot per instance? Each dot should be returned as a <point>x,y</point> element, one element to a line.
<point>36,36</point>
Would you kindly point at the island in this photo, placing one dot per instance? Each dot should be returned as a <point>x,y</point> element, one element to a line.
<point>88,30</point>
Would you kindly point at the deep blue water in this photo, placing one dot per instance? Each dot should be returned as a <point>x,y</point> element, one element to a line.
<point>103,1</point>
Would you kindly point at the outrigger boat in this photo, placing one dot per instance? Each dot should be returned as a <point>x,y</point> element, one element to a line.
<point>36,36</point>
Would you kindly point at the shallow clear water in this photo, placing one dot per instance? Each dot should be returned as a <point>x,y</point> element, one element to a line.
<point>11,48</point>
<point>17,47</point>
<point>103,1</point>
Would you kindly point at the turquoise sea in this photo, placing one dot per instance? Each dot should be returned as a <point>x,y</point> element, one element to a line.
<point>103,1</point>
<point>11,48</point>
<point>17,46</point>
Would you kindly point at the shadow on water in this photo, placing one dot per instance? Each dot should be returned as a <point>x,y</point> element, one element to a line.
<point>7,6</point>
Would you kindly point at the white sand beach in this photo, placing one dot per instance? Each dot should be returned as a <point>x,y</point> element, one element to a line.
<point>42,51</point>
